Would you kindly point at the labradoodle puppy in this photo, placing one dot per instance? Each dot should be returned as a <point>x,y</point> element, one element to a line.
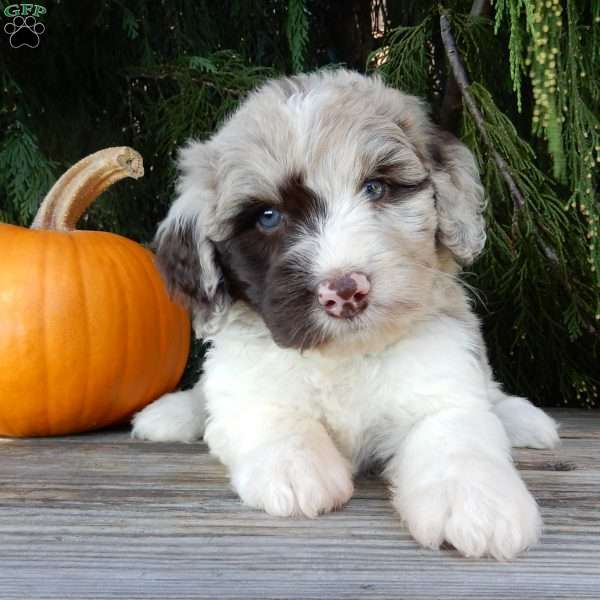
<point>317,236</point>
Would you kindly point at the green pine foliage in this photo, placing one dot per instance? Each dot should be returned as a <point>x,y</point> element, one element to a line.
<point>297,32</point>
<point>406,57</point>
<point>26,174</point>
<point>540,310</point>
<point>151,75</point>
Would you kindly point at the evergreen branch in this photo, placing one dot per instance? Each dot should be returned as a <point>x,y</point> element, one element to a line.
<point>297,32</point>
<point>452,100</point>
<point>462,81</point>
<point>404,59</point>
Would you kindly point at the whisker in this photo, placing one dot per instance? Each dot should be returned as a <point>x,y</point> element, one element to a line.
<point>471,289</point>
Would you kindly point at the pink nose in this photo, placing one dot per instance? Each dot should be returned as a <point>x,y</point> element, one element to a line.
<point>346,296</point>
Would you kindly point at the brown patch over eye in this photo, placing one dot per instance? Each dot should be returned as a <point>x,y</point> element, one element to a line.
<point>299,202</point>
<point>254,263</point>
<point>296,205</point>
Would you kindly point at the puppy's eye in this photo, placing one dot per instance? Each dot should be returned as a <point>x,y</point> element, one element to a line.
<point>374,189</point>
<point>270,218</point>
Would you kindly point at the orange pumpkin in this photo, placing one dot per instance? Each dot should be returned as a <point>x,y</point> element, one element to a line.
<point>88,333</point>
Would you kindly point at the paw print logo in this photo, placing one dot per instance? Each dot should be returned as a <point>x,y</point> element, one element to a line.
<point>24,31</point>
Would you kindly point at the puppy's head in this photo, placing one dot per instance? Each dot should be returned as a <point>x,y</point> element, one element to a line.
<point>325,203</point>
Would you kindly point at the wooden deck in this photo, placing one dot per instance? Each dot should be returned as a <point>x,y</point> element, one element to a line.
<point>102,516</point>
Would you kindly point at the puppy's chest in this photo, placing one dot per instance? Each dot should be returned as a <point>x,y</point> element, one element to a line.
<point>355,400</point>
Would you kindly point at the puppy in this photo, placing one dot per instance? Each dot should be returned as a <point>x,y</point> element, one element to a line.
<point>317,237</point>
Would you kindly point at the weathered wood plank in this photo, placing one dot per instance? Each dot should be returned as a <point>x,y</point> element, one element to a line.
<point>102,516</point>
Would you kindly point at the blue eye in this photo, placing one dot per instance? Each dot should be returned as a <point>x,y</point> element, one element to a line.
<point>269,218</point>
<point>374,189</point>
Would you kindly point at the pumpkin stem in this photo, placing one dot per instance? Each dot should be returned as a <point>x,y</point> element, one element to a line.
<point>77,189</point>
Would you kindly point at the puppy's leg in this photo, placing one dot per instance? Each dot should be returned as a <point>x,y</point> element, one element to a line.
<point>526,425</point>
<point>453,480</point>
<point>176,417</point>
<point>289,467</point>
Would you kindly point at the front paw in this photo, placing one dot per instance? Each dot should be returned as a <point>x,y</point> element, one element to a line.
<point>294,478</point>
<point>176,417</point>
<point>527,425</point>
<point>485,511</point>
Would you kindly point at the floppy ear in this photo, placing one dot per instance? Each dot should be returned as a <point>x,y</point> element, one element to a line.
<point>185,254</point>
<point>459,197</point>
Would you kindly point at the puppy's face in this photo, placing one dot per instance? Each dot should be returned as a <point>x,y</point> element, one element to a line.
<point>324,204</point>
